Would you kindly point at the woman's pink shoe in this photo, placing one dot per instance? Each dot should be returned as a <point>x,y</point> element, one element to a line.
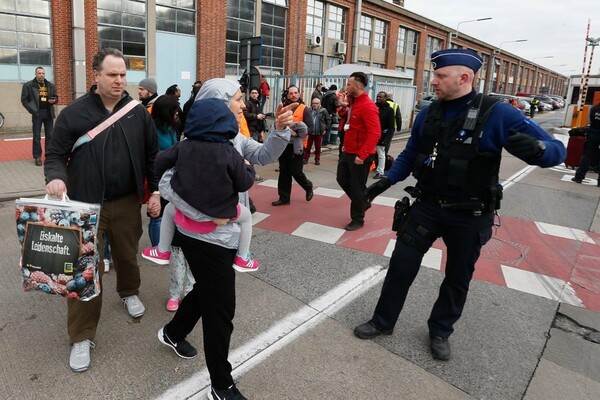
<point>172,304</point>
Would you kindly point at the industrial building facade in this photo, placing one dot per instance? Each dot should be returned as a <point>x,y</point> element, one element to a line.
<point>181,41</point>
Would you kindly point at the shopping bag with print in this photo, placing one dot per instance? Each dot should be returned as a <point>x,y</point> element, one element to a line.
<point>58,246</point>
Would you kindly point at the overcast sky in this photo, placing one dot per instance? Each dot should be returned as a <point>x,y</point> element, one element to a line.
<point>552,28</point>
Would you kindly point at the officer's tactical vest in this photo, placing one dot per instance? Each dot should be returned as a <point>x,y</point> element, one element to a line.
<point>458,165</point>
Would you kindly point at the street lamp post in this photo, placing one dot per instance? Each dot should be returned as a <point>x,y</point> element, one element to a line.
<point>455,34</point>
<point>536,72</point>
<point>492,61</point>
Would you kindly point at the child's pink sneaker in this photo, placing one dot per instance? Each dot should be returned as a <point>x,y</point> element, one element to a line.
<point>241,265</point>
<point>156,256</point>
<point>172,304</point>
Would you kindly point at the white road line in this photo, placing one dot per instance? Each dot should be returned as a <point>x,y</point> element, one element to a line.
<point>16,139</point>
<point>258,216</point>
<point>518,176</point>
<point>321,233</point>
<point>564,232</point>
<point>252,353</point>
<point>433,259</point>
<point>540,285</point>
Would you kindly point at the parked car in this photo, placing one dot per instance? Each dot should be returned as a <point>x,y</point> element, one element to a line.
<point>425,101</point>
<point>558,99</point>
<point>522,102</point>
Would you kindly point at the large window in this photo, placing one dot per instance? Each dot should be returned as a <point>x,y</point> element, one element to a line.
<point>315,14</point>
<point>380,36</point>
<point>122,25</point>
<point>407,41</point>
<point>336,25</point>
<point>313,64</point>
<point>240,25</point>
<point>433,44</point>
<point>333,61</point>
<point>366,27</point>
<point>177,16</point>
<point>273,35</point>
<point>427,76</point>
<point>25,37</point>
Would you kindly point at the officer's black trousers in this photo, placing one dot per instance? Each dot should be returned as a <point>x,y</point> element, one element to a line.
<point>463,234</point>
<point>290,165</point>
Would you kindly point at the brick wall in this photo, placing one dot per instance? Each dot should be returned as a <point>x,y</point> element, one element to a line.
<point>62,38</point>
<point>212,22</point>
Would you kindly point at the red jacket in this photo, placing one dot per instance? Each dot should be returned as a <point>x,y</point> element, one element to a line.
<point>365,130</point>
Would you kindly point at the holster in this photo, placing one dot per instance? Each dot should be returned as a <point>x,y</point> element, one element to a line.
<point>400,214</point>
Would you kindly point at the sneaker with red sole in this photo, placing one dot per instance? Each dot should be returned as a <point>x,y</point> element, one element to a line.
<point>156,256</point>
<point>241,265</point>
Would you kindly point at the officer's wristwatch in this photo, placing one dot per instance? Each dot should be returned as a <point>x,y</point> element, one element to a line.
<point>541,148</point>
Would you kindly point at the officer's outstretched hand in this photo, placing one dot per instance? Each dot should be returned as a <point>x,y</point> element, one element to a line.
<point>377,188</point>
<point>523,146</point>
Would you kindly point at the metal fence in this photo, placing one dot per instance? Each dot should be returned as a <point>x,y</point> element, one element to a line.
<point>404,95</point>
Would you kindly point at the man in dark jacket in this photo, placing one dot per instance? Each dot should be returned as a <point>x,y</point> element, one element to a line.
<point>386,119</point>
<point>109,169</point>
<point>321,120</point>
<point>38,96</point>
<point>254,117</point>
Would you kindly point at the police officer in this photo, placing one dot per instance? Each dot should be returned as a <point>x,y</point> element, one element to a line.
<point>457,190</point>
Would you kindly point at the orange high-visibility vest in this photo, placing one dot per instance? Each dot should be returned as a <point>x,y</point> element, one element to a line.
<point>298,116</point>
<point>244,130</point>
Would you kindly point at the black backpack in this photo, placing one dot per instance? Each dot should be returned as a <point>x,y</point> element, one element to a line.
<point>329,102</point>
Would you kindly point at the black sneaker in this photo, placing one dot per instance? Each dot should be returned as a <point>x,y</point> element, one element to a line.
<point>182,348</point>
<point>230,393</point>
<point>440,348</point>
<point>577,180</point>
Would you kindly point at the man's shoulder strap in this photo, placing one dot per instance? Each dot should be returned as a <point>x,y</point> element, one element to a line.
<point>111,119</point>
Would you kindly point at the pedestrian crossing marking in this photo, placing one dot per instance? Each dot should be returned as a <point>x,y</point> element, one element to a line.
<point>563,232</point>
<point>321,233</point>
<point>540,285</point>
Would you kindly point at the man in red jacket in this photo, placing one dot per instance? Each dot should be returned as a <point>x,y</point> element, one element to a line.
<point>361,134</point>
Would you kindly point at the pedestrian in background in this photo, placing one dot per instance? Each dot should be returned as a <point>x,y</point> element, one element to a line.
<point>164,114</point>
<point>362,131</point>
<point>148,92</point>
<point>590,146</point>
<point>110,170</point>
<point>38,96</point>
<point>322,122</point>
<point>455,158</point>
<point>318,92</point>
<point>291,160</point>
<point>188,104</point>
<point>253,115</point>
<point>386,120</point>
<point>264,92</point>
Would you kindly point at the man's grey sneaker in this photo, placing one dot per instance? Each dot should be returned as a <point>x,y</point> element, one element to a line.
<point>80,355</point>
<point>182,348</point>
<point>135,308</point>
<point>440,348</point>
<point>231,393</point>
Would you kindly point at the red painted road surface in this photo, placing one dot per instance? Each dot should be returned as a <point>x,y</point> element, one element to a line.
<point>518,243</point>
